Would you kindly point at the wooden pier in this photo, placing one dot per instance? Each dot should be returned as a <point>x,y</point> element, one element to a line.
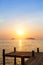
<point>34,57</point>
<point>37,60</point>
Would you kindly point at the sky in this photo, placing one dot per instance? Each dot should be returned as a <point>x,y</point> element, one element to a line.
<point>25,15</point>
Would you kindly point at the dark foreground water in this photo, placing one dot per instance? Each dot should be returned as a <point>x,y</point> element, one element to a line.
<point>21,45</point>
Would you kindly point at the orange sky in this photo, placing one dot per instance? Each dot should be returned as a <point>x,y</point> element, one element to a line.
<point>14,34</point>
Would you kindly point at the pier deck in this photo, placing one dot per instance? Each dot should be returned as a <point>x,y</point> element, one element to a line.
<point>35,58</point>
<point>19,54</point>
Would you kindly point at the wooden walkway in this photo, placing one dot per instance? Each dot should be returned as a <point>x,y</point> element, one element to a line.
<point>35,58</point>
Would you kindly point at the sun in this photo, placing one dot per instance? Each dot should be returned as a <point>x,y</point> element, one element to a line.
<point>20,32</point>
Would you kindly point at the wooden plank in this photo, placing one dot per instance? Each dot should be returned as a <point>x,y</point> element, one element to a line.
<point>40,61</point>
<point>19,54</point>
<point>37,60</point>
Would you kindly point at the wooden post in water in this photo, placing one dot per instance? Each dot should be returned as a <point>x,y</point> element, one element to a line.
<point>22,61</point>
<point>37,50</point>
<point>3,56</point>
<point>33,54</point>
<point>15,56</point>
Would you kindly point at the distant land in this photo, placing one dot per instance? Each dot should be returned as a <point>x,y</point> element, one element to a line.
<point>25,38</point>
<point>12,38</point>
<point>30,38</point>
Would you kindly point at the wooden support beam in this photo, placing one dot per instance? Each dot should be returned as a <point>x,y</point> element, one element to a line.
<point>3,56</point>
<point>15,56</point>
<point>22,61</point>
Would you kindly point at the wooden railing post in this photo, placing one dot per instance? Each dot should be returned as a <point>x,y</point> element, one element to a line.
<point>14,49</point>
<point>3,56</point>
<point>15,56</point>
<point>37,50</point>
<point>33,54</point>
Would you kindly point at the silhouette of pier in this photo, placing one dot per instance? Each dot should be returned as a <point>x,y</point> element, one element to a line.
<point>34,57</point>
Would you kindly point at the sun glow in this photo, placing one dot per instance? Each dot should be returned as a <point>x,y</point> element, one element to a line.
<point>20,32</point>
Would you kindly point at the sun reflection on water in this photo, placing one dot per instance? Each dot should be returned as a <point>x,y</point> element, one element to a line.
<point>20,44</point>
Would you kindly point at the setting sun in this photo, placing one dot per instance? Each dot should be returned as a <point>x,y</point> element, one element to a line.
<point>20,32</point>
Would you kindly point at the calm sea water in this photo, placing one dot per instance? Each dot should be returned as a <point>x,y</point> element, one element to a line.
<point>21,45</point>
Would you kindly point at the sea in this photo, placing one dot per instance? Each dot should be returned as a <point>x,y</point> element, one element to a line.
<point>21,45</point>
